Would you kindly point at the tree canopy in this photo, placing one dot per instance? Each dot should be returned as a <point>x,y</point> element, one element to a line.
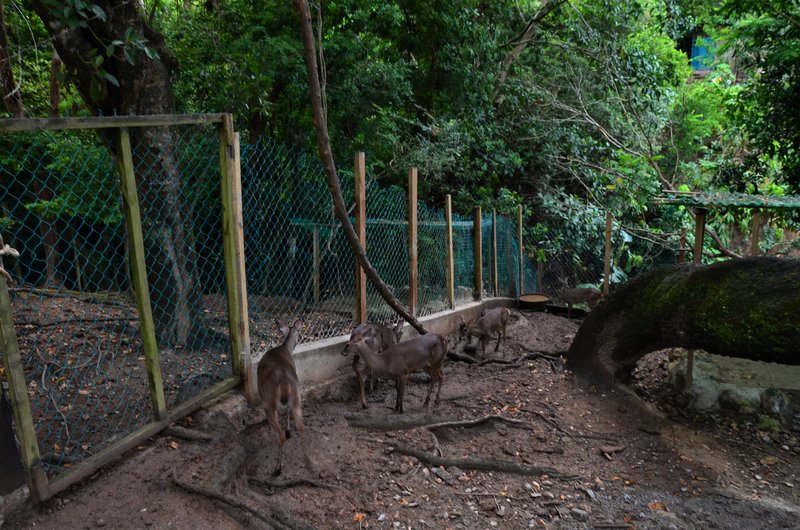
<point>569,107</point>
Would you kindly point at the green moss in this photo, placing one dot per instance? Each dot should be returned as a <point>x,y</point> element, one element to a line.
<point>769,423</point>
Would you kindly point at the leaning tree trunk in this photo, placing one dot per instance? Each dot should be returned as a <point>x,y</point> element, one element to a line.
<point>748,308</point>
<point>145,87</point>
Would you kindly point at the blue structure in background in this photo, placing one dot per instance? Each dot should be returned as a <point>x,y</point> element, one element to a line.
<point>702,56</point>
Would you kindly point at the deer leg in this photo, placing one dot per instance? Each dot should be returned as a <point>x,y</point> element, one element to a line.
<point>288,429</point>
<point>401,387</point>
<point>439,376</point>
<point>360,378</point>
<point>499,336</point>
<point>301,433</point>
<point>272,416</point>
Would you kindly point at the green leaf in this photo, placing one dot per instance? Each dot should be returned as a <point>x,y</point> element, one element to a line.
<point>98,11</point>
<point>110,78</point>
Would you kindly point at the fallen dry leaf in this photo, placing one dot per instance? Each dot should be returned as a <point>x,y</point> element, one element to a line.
<point>359,517</point>
<point>656,505</point>
<point>174,445</point>
<point>769,460</point>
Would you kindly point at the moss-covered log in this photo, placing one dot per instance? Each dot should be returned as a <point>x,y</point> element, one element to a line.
<point>747,308</point>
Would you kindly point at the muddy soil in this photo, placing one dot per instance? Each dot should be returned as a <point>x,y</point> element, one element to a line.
<point>536,449</point>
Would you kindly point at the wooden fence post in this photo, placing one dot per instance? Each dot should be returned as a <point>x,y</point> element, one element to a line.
<point>20,403</point>
<point>607,257</point>
<point>361,231</point>
<point>451,279</point>
<point>413,259</point>
<point>233,246</point>
<point>682,249</point>
<point>477,248</point>
<point>495,286</point>
<point>699,231</point>
<point>521,251</point>
<point>133,223</point>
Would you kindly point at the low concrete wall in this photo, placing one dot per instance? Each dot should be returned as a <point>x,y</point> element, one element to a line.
<point>322,361</point>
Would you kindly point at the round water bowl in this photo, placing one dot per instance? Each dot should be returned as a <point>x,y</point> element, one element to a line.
<point>533,302</point>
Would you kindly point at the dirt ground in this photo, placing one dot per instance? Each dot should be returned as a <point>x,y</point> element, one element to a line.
<point>537,449</point>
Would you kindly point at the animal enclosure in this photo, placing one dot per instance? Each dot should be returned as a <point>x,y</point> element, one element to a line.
<point>155,253</point>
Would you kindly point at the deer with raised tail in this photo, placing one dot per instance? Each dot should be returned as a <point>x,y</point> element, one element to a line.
<point>580,295</point>
<point>377,338</point>
<point>491,322</point>
<point>425,352</point>
<point>279,389</point>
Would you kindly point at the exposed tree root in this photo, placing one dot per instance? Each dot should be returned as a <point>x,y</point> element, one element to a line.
<point>187,434</point>
<point>501,466</point>
<point>397,422</point>
<point>291,483</point>
<point>229,500</point>
<point>229,467</point>
<point>401,423</point>
<point>461,357</point>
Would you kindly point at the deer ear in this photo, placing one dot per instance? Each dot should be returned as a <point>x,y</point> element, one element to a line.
<point>297,324</point>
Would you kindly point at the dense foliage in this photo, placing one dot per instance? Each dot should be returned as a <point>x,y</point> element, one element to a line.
<point>570,107</point>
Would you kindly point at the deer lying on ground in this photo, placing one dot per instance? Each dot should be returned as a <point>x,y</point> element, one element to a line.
<point>377,338</point>
<point>279,389</point>
<point>579,295</point>
<point>491,322</point>
<point>425,352</point>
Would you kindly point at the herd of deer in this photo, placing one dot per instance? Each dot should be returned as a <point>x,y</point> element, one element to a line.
<point>376,349</point>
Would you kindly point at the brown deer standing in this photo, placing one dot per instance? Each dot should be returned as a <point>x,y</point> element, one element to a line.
<point>579,295</point>
<point>425,352</point>
<point>279,389</point>
<point>491,322</point>
<point>377,338</point>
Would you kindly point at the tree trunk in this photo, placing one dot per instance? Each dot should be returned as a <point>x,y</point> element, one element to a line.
<point>744,308</point>
<point>324,146</point>
<point>144,88</point>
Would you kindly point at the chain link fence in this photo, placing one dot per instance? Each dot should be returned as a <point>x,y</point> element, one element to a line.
<point>77,317</point>
<point>74,308</point>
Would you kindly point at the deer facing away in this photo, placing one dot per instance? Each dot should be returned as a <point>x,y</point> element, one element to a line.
<point>279,389</point>
<point>425,352</point>
<point>579,295</point>
<point>377,338</point>
<point>491,322</point>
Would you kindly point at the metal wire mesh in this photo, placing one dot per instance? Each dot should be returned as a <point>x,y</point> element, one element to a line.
<point>387,246</point>
<point>76,325</point>
<point>298,264</point>
<point>75,310</point>
<point>73,306</point>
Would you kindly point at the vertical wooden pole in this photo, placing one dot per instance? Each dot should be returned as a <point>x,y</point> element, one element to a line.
<point>682,249</point>
<point>477,249</point>
<point>755,232</point>
<point>521,251</point>
<point>494,254</point>
<point>316,263</point>
<point>451,270</point>
<point>20,403</point>
<point>133,225</point>
<point>607,258</point>
<point>413,280</point>
<point>361,231</point>
<point>241,361</point>
<point>699,231</point>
